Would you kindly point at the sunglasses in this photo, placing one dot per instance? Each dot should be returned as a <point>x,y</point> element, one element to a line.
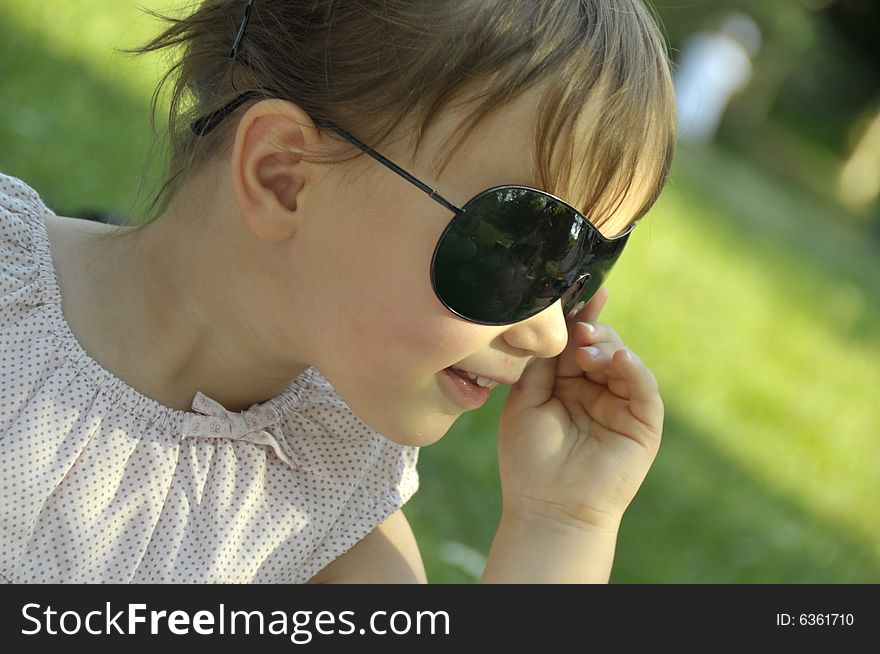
<point>508,253</point>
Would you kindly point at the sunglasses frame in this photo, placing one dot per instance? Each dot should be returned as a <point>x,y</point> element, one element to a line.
<point>205,124</point>
<point>582,220</point>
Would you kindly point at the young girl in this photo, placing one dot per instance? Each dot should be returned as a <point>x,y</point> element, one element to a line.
<point>379,201</point>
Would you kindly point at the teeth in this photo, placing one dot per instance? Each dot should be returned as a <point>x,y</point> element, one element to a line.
<point>482,381</point>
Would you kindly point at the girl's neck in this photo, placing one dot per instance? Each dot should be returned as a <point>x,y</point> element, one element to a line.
<point>164,309</point>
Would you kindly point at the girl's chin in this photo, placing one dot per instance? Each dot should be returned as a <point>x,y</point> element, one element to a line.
<point>422,418</point>
<point>426,429</point>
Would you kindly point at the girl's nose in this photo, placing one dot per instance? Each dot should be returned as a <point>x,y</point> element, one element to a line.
<point>545,334</point>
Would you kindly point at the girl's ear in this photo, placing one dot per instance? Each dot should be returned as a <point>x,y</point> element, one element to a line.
<point>269,178</point>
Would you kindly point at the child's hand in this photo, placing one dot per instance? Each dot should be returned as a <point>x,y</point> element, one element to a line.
<point>578,434</point>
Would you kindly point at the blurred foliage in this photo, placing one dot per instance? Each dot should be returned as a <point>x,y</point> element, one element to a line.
<point>815,85</point>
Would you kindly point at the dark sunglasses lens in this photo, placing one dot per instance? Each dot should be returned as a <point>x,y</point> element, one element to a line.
<point>513,252</point>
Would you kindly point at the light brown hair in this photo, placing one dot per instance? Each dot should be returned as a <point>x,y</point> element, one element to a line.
<point>376,66</point>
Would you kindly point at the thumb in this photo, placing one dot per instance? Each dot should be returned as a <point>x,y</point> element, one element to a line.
<point>535,385</point>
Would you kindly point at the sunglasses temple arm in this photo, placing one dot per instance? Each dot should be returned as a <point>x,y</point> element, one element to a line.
<point>432,193</point>
<point>205,124</point>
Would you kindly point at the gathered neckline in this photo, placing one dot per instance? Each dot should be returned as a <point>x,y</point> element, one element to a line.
<point>121,393</point>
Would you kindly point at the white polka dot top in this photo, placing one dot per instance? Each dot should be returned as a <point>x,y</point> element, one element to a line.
<point>100,484</point>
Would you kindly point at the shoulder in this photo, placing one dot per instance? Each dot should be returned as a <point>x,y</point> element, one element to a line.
<point>388,554</point>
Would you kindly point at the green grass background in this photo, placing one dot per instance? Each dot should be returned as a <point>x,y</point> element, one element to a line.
<point>754,302</point>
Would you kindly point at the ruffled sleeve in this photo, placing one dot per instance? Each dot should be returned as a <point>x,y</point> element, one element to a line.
<point>19,271</point>
<point>387,486</point>
<point>26,347</point>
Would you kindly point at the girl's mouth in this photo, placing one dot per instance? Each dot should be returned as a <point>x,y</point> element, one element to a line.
<point>476,379</point>
<point>468,392</point>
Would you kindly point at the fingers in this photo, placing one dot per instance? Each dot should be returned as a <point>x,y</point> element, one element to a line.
<point>602,355</point>
<point>596,344</point>
<point>597,356</point>
<point>568,365</point>
<point>589,333</point>
<point>644,392</point>
<point>629,379</point>
<point>594,362</point>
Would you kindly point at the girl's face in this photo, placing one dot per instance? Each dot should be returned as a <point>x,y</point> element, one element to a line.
<point>363,300</point>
